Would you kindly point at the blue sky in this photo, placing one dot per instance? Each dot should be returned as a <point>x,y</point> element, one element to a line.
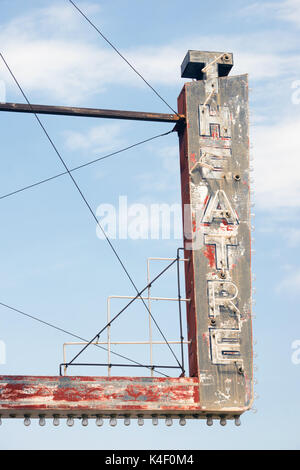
<point>52,263</point>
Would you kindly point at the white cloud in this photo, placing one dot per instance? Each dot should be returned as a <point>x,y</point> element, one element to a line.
<point>54,53</point>
<point>50,51</point>
<point>42,51</point>
<point>264,66</point>
<point>162,64</point>
<point>169,156</point>
<point>277,165</point>
<point>290,283</point>
<point>98,139</point>
<point>288,10</point>
<point>293,236</point>
<point>280,227</point>
<point>58,18</point>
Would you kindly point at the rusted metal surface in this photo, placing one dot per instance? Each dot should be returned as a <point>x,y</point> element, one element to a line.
<point>97,394</point>
<point>214,152</point>
<point>90,396</point>
<point>89,112</point>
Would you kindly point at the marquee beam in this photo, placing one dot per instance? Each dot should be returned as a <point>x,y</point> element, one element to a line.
<point>106,396</point>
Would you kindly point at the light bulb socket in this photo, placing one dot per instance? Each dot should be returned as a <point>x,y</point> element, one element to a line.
<point>70,420</point>
<point>99,420</point>
<point>223,421</point>
<point>169,421</point>
<point>154,420</point>
<point>55,420</point>
<point>237,420</point>
<point>85,420</point>
<point>126,420</point>
<point>182,420</point>
<point>209,420</point>
<point>113,420</point>
<point>42,420</point>
<point>27,420</point>
<point>140,420</point>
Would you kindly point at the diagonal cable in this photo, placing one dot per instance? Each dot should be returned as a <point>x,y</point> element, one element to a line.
<point>121,55</point>
<point>73,335</point>
<point>88,205</point>
<point>122,311</point>
<point>58,175</point>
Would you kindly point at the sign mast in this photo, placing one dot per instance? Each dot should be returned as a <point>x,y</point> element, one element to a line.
<point>214,158</point>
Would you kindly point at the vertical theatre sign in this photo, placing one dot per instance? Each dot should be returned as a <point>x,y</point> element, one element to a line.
<point>214,154</point>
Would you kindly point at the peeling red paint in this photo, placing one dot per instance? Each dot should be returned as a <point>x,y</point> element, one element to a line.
<point>194,224</point>
<point>85,393</point>
<point>193,157</point>
<point>205,338</point>
<point>210,255</point>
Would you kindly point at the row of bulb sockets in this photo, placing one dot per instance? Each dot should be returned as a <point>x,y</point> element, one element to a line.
<point>127,419</point>
<point>252,215</point>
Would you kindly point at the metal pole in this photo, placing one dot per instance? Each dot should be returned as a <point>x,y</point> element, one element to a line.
<point>149,307</point>
<point>179,306</point>
<point>90,112</point>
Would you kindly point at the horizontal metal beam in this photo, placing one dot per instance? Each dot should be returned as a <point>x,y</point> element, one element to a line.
<point>92,395</point>
<point>90,112</point>
<point>105,396</point>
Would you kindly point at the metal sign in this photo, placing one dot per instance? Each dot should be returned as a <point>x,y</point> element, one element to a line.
<point>214,150</point>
